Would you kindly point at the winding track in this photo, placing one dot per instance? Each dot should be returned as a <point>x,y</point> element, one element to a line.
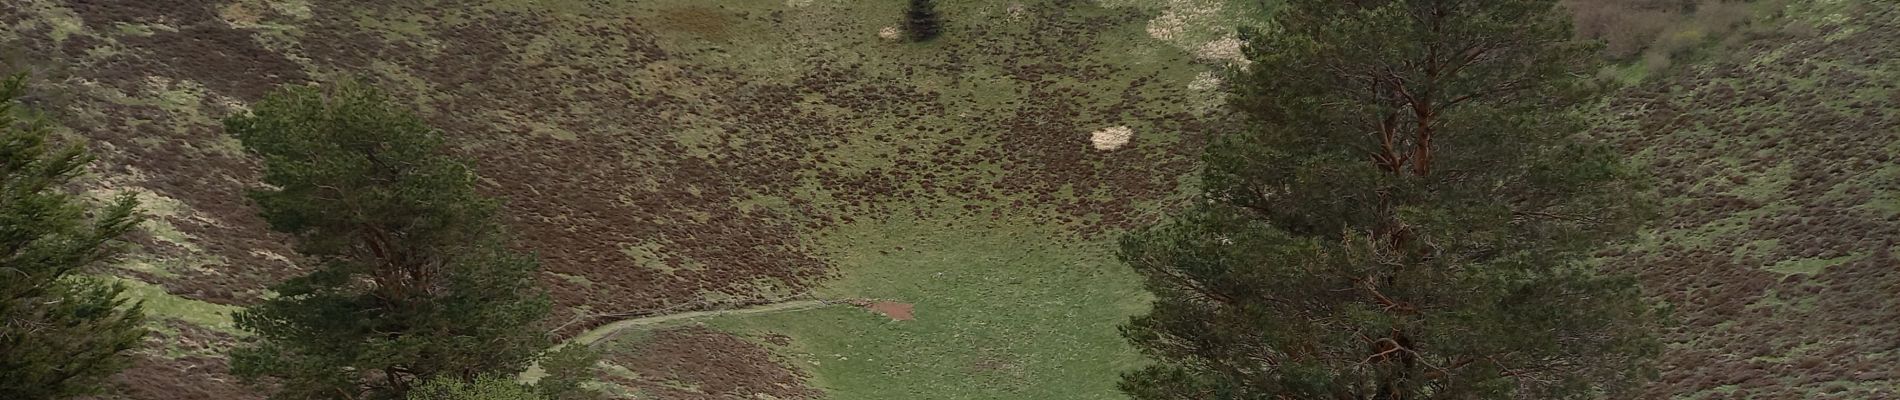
<point>605,331</point>
<point>534,372</point>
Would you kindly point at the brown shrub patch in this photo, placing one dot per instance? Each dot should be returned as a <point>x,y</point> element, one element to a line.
<point>700,363</point>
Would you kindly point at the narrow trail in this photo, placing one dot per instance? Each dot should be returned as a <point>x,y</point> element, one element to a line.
<point>590,337</point>
<point>605,331</point>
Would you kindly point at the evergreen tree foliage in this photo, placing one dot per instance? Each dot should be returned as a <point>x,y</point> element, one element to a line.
<point>922,22</point>
<point>412,278</point>
<point>61,334</point>
<point>481,388</point>
<point>1408,216</point>
<point>567,368</point>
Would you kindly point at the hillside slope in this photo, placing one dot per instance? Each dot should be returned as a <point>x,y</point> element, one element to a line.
<point>1779,168</point>
<point>685,154</point>
<point>669,154</point>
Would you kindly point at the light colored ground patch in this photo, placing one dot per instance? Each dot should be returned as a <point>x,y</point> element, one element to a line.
<point>161,304</point>
<point>1111,138</point>
<point>1183,20</point>
<point>299,9</point>
<point>1017,11</point>
<point>647,255</point>
<point>1207,28</point>
<point>160,210</point>
<point>1206,81</point>
<point>797,3</point>
<point>889,33</point>
<point>63,22</point>
<point>1810,266</point>
<point>1226,49</point>
<point>240,15</point>
<point>151,203</point>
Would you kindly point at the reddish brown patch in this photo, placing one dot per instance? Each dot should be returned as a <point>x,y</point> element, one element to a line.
<point>713,364</point>
<point>897,311</point>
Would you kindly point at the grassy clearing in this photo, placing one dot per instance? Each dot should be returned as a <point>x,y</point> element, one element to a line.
<point>1002,311</point>
<point>160,305</point>
<point>1009,308</point>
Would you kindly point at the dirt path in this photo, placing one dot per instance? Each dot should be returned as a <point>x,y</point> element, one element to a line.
<point>604,331</point>
<point>534,372</point>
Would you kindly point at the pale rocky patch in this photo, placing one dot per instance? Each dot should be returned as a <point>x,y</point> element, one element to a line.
<point>1111,138</point>
<point>1205,81</point>
<point>299,9</point>
<point>1204,94</point>
<point>1180,16</point>
<point>889,33</point>
<point>1202,27</point>
<point>240,16</point>
<point>1227,49</point>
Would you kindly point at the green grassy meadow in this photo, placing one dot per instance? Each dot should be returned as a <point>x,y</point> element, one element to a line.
<point>1001,312</point>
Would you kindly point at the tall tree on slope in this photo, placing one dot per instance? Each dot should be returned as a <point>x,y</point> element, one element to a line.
<point>61,333</point>
<point>1409,217</point>
<point>413,282</point>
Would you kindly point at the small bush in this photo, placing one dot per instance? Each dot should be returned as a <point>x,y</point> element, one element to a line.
<point>922,21</point>
<point>483,388</point>
<point>567,369</point>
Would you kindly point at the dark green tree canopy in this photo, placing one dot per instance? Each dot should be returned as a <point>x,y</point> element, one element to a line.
<point>921,20</point>
<point>1408,217</point>
<point>61,333</point>
<point>413,279</point>
<point>481,388</point>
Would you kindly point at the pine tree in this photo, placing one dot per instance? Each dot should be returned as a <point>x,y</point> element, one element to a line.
<point>1409,216</point>
<point>412,279</point>
<point>61,333</point>
<point>922,22</point>
<point>481,388</point>
<point>567,370</point>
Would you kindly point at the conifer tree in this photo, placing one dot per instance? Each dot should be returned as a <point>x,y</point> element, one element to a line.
<point>61,333</point>
<point>1408,216</point>
<point>922,22</point>
<point>481,388</point>
<point>412,280</point>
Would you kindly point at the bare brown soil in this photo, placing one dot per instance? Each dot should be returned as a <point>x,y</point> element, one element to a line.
<point>698,363</point>
<point>897,311</point>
